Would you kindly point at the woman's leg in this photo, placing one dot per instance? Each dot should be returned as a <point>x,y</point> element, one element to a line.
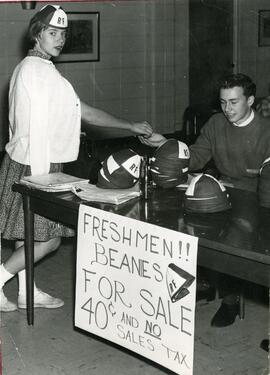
<point>5,304</point>
<point>16,263</point>
<point>41,299</point>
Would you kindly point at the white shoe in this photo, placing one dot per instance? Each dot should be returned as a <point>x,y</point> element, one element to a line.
<point>41,300</point>
<point>5,304</point>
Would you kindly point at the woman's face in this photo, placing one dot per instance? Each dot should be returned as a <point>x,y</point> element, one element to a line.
<point>51,41</point>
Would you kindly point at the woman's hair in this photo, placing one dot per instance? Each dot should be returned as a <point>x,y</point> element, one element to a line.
<point>239,80</point>
<point>34,29</point>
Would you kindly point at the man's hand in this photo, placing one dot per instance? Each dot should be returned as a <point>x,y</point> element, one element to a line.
<point>155,140</point>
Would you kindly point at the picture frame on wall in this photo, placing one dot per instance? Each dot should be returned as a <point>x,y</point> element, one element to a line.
<point>82,43</point>
<point>264,28</point>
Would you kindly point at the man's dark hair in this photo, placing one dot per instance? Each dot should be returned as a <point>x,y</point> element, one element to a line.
<point>239,80</point>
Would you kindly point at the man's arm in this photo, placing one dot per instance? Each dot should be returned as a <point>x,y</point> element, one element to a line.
<point>201,150</point>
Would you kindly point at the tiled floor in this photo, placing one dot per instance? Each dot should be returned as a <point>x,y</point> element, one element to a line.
<point>54,347</point>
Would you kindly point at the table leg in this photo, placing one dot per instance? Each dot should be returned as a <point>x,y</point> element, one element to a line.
<point>242,306</point>
<point>29,258</point>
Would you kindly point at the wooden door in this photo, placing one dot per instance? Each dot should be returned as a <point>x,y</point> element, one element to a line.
<point>211,50</point>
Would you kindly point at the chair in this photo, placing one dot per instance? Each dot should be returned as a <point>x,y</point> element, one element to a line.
<point>194,119</point>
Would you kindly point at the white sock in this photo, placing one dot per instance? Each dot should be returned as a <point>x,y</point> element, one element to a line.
<point>22,283</point>
<point>4,275</point>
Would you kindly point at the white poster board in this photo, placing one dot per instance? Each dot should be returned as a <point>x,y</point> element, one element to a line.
<point>136,286</point>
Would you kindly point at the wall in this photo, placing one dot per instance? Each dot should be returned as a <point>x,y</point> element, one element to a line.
<point>253,60</point>
<point>143,69</point>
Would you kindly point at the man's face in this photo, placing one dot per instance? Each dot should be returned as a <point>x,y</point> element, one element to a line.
<point>235,105</point>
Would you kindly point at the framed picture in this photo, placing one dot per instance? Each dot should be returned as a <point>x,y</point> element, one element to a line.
<point>264,28</point>
<point>82,43</point>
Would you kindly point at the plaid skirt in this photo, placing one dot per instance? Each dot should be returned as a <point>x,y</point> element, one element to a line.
<point>11,206</point>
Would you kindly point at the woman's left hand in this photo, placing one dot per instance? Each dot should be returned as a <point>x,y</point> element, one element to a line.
<point>142,128</point>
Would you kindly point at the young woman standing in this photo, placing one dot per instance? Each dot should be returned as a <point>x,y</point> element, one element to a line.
<point>45,119</point>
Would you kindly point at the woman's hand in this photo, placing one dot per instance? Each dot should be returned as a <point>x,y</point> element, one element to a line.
<point>155,140</point>
<point>142,128</point>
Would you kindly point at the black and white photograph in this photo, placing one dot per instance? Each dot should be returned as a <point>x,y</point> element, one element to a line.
<point>134,187</point>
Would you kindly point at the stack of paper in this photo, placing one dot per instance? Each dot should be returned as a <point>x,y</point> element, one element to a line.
<point>92,193</point>
<point>52,182</point>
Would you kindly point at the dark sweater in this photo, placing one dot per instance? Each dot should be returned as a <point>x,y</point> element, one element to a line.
<point>238,152</point>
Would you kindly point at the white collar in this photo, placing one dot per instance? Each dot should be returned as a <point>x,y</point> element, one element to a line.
<point>41,59</point>
<point>247,121</point>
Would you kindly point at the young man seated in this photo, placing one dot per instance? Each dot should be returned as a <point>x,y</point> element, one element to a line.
<point>238,140</point>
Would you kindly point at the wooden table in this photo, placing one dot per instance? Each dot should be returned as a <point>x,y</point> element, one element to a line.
<point>234,242</point>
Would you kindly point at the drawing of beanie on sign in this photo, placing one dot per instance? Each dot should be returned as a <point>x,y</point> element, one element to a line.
<point>178,282</point>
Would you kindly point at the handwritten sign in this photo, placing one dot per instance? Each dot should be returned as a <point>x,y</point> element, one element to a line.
<point>135,286</point>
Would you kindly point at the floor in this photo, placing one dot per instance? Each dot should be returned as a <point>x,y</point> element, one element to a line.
<point>54,347</point>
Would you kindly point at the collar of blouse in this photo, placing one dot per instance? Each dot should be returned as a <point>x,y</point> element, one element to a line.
<point>33,52</point>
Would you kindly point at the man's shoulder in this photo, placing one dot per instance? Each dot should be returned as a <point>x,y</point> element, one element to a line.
<point>216,119</point>
<point>262,119</point>
<point>262,122</point>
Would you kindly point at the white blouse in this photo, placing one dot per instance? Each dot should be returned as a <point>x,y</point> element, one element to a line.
<point>44,116</point>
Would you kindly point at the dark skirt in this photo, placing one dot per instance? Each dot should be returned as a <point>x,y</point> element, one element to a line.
<point>11,206</point>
